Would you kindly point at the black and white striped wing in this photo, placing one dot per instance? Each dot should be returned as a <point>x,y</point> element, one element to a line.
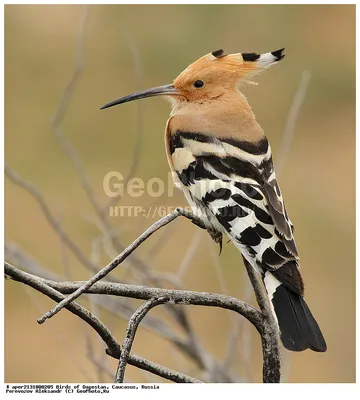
<point>233,185</point>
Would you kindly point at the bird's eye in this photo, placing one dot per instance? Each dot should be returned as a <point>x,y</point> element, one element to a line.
<point>199,84</point>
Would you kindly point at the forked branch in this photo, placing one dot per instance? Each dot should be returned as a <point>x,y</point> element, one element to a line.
<point>262,321</point>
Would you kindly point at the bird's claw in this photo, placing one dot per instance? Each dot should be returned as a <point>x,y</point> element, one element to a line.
<point>217,237</point>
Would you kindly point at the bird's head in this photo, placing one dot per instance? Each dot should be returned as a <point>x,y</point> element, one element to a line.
<point>209,77</point>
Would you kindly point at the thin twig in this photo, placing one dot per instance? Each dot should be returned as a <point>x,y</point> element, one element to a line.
<point>59,335</point>
<point>159,370</point>
<point>121,307</point>
<point>134,322</point>
<point>15,254</point>
<point>138,75</point>
<point>290,124</point>
<point>219,270</point>
<point>79,65</point>
<point>63,251</point>
<point>161,244</point>
<point>231,344</point>
<point>114,263</point>
<point>94,309</point>
<point>190,252</point>
<point>65,144</point>
<point>100,365</point>
<point>54,223</point>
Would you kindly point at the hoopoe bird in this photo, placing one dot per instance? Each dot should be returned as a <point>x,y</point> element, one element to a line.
<point>222,161</point>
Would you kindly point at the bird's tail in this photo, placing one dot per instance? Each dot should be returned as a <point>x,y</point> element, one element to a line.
<point>298,328</point>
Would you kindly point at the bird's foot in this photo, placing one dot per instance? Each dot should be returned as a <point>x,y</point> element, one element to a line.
<point>216,236</point>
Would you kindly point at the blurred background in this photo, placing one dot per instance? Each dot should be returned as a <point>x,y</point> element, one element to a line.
<point>126,48</point>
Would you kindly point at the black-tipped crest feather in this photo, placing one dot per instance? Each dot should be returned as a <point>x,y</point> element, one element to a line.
<point>218,53</point>
<point>250,56</point>
<point>278,54</point>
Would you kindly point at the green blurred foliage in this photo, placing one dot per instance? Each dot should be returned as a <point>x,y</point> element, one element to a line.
<point>318,182</point>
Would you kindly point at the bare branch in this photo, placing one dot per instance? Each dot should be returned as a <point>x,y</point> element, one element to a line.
<point>41,286</point>
<point>131,332</point>
<point>246,337</point>
<point>121,257</point>
<point>119,307</point>
<point>159,370</point>
<point>268,331</point>
<point>270,335</point>
<point>185,297</point>
<point>113,348</point>
<point>260,293</point>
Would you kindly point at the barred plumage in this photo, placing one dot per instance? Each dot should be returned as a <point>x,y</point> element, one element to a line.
<point>223,163</point>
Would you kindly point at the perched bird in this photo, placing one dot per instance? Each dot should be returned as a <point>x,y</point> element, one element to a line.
<point>222,161</point>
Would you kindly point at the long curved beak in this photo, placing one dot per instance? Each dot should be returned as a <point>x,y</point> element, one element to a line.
<point>156,91</point>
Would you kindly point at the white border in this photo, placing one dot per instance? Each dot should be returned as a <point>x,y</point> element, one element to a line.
<point>250,391</point>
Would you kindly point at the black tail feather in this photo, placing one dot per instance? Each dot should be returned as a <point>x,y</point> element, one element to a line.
<point>299,329</point>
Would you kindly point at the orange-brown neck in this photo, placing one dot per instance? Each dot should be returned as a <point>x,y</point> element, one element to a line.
<point>228,116</point>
